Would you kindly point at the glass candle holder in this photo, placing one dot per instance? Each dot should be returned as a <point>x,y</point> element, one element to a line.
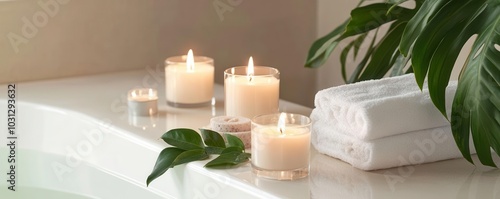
<point>142,101</point>
<point>253,94</point>
<point>189,84</point>
<point>281,146</point>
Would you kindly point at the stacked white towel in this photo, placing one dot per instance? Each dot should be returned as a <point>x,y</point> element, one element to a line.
<point>382,123</point>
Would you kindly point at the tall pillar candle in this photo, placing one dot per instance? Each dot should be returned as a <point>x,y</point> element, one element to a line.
<point>281,146</point>
<point>251,90</point>
<point>189,80</point>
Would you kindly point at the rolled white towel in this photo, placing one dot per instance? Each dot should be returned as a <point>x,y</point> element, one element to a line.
<point>379,108</point>
<point>411,148</point>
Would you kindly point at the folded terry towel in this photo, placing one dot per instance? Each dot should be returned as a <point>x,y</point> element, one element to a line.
<point>379,108</point>
<point>411,148</point>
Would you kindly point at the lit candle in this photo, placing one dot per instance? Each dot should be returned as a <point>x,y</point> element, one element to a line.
<point>142,101</point>
<point>281,146</point>
<point>251,90</point>
<point>189,80</point>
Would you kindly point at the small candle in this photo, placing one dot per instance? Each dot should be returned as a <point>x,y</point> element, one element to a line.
<point>189,80</point>
<point>142,101</point>
<point>251,90</point>
<point>281,146</point>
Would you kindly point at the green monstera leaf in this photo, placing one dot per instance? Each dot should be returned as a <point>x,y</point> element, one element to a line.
<point>427,40</point>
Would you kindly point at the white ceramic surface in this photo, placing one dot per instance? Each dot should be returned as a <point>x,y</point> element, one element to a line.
<point>57,119</point>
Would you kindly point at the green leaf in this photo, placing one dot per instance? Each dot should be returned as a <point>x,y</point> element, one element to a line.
<point>163,163</point>
<point>187,139</point>
<point>190,156</point>
<point>442,40</point>
<point>212,138</point>
<point>322,48</point>
<point>231,149</point>
<point>233,141</point>
<point>343,56</point>
<point>229,157</point>
<point>395,4</point>
<point>382,57</point>
<point>399,64</point>
<point>214,150</point>
<point>410,69</point>
<point>418,23</point>
<point>360,22</point>
<point>357,71</point>
<point>480,139</point>
<point>370,17</point>
<point>446,20</point>
<point>476,107</point>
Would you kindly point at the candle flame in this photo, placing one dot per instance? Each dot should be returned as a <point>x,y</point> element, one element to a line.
<point>190,61</point>
<point>281,122</point>
<point>250,70</point>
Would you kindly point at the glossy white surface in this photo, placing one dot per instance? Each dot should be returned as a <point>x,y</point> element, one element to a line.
<point>55,115</point>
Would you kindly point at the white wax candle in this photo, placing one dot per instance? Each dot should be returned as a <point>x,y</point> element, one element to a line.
<point>280,151</point>
<point>251,91</point>
<point>189,83</point>
<point>189,87</point>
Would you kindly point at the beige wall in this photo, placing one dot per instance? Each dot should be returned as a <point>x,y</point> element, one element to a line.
<point>79,37</point>
<point>330,15</point>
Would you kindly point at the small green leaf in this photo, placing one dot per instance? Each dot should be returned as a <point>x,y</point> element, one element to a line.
<point>233,141</point>
<point>357,44</point>
<point>400,64</point>
<point>163,163</point>
<point>230,156</point>
<point>212,138</point>
<point>231,149</point>
<point>343,56</point>
<point>355,74</point>
<point>244,157</point>
<point>190,156</point>
<point>369,17</point>
<point>214,150</point>
<point>395,4</point>
<point>187,139</point>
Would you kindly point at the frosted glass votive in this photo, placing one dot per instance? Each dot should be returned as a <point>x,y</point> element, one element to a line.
<point>189,81</point>
<point>142,101</point>
<point>281,146</point>
<point>249,95</point>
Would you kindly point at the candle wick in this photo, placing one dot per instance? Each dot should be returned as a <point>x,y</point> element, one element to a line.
<point>281,131</point>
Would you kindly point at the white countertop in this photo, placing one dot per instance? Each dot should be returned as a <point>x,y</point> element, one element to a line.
<point>104,97</point>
